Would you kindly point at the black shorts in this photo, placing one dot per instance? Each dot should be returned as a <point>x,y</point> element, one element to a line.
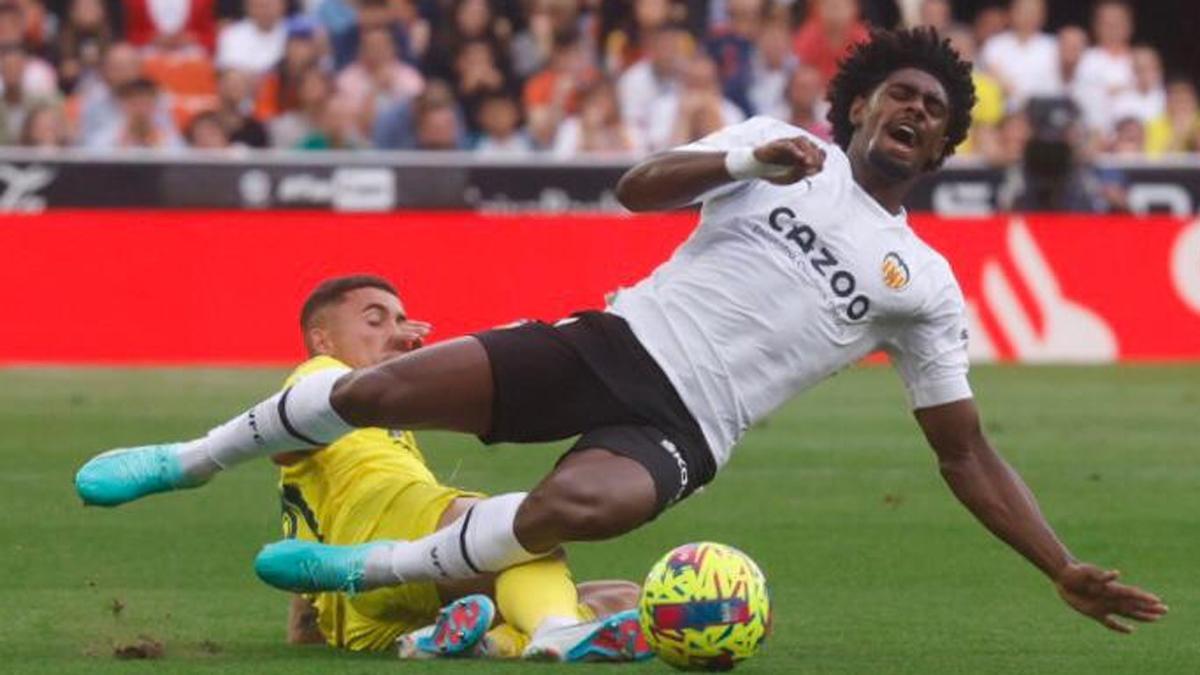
<point>589,376</point>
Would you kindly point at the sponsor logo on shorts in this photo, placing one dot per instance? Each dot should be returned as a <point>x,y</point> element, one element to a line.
<point>683,470</point>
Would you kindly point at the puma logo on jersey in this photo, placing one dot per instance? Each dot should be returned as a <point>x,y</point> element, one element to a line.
<point>895,272</point>
<point>804,237</point>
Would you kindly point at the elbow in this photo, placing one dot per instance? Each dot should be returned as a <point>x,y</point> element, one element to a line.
<point>641,188</point>
<point>630,192</point>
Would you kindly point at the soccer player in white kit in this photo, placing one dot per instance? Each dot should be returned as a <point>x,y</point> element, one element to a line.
<point>802,264</point>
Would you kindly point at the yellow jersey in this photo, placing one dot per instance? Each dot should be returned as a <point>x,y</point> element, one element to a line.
<point>369,485</point>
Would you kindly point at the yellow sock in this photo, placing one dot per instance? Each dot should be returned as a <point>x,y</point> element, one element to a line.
<point>530,593</point>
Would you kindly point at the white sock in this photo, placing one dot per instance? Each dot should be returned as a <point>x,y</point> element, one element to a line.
<point>550,623</point>
<point>297,418</point>
<point>481,540</point>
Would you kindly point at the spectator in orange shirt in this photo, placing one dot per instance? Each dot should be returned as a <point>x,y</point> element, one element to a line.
<point>832,27</point>
<point>553,94</point>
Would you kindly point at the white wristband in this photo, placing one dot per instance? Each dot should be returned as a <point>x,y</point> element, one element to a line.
<point>742,164</point>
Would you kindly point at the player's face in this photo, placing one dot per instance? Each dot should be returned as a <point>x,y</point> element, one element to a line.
<point>368,326</point>
<point>903,123</point>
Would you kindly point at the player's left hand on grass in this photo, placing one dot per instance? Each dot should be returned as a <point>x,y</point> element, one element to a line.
<point>1095,592</point>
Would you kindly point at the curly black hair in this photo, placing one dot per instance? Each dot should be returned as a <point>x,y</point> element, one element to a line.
<point>870,63</point>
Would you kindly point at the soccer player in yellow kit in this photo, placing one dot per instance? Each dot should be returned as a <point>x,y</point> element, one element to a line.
<point>373,484</point>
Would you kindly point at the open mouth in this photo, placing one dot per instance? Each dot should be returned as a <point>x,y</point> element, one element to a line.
<point>905,134</point>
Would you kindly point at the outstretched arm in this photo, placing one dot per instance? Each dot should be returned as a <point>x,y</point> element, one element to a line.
<point>672,179</point>
<point>997,496</point>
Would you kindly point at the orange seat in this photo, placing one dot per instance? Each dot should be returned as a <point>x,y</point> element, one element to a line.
<point>190,74</point>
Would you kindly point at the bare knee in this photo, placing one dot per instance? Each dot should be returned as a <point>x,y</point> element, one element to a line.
<point>572,505</point>
<point>576,511</point>
<point>610,596</point>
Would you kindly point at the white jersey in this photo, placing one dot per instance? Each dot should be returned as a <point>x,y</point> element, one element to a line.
<point>780,287</point>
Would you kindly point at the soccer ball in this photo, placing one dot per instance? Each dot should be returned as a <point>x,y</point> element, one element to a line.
<point>704,606</point>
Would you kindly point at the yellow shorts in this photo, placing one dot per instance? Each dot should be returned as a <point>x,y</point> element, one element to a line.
<point>383,509</point>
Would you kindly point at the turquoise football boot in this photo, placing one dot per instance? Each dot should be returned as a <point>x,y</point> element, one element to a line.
<point>126,474</point>
<point>616,638</point>
<point>308,567</point>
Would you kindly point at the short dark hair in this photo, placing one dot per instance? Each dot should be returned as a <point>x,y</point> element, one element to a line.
<point>565,38</point>
<point>334,290</point>
<point>870,63</point>
<point>141,85</point>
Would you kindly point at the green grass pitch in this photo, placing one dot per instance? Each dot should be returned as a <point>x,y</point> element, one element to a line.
<point>873,567</point>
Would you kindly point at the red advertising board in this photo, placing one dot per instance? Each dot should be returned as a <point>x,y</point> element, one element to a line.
<point>167,287</point>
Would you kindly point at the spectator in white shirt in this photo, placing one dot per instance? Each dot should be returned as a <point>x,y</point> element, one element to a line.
<point>598,128</point>
<point>1072,43</point>
<point>256,42</point>
<point>1146,99</point>
<point>99,108</point>
<point>653,78</point>
<point>696,110</point>
<point>1106,70</point>
<point>140,126</point>
<point>1024,59</point>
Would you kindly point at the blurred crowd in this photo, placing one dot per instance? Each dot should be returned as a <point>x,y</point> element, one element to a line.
<point>568,77</point>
